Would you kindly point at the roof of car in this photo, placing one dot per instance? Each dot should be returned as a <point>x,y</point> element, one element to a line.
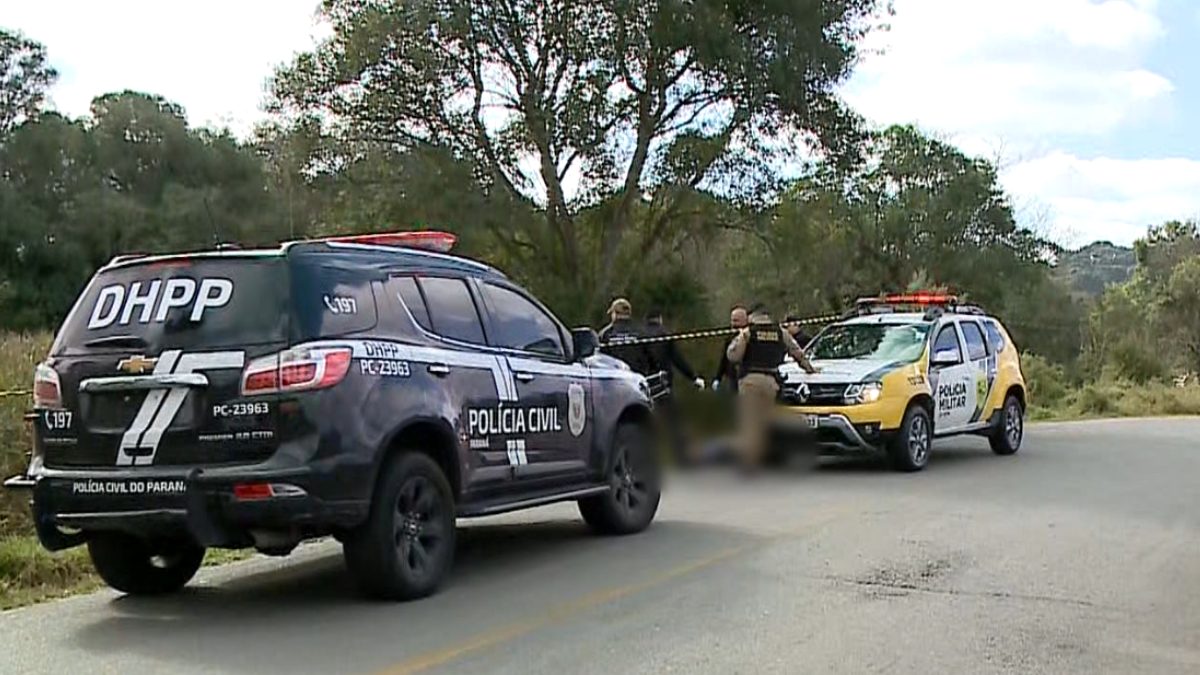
<point>370,255</point>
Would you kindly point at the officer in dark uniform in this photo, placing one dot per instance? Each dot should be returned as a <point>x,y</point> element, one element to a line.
<point>759,350</point>
<point>665,358</point>
<point>794,327</point>
<point>739,318</point>
<point>619,338</point>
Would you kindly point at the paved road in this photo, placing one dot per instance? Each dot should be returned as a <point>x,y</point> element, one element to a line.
<point>1080,555</point>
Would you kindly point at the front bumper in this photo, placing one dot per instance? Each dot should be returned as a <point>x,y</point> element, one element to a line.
<point>835,433</point>
<point>199,504</point>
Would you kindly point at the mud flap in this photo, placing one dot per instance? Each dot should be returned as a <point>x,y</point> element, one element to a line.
<point>51,537</point>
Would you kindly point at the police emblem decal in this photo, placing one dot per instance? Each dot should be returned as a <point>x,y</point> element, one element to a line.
<point>576,412</point>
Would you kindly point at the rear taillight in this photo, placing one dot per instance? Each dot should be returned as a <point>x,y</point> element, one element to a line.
<point>298,369</point>
<point>47,392</point>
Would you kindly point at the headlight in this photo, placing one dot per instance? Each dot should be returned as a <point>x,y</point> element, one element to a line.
<point>868,392</point>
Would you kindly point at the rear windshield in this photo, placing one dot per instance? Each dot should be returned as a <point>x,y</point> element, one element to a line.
<point>189,303</point>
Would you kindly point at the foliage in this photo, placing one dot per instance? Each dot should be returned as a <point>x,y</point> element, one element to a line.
<point>1046,381</point>
<point>1150,326</point>
<point>131,178</point>
<point>587,107</point>
<point>25,75</point>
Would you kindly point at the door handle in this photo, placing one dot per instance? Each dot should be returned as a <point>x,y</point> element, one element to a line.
<point>524,377</point>
<point>439,369</point>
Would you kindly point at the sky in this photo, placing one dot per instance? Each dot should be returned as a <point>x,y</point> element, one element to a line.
<point>1088,107</point>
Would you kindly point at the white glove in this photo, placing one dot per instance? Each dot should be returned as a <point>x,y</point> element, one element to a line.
<point>700,383</point>
<point>716,385</point>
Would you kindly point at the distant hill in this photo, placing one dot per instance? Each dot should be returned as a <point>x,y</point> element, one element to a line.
<point>1095,267</point>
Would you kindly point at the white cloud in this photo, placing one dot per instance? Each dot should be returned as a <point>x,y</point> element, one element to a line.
<point>1024,78</point>
<point>1018,69</point>
<point>213,58</point>
<point>1104,198</point>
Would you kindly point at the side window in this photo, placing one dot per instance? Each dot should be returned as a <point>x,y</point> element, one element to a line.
<point>976,346</point>
<point>451,310</point>
<point>410,295</point>
<point>947,340</point>
<point>994,336</point>
<point>330,302</point>
<point>520,324</point>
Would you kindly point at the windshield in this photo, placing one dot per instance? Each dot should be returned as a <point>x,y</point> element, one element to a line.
<point>876,341</point>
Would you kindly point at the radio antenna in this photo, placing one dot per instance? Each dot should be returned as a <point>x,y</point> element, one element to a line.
<point>216,233</point>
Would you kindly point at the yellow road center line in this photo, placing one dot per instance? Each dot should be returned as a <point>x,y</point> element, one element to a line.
<point>505,633</point>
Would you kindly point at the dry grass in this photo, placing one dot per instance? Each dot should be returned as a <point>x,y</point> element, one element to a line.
<point>19,354</point>
<point>29,573</point>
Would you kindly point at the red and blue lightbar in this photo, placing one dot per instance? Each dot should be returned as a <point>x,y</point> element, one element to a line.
<point>431,240</point>
<point>921,298</point>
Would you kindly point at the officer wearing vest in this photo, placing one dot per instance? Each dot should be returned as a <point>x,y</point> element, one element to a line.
<point>758,350</point>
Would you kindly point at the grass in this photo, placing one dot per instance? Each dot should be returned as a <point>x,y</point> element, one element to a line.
<point>30,574</point>
<point>1098,400</point>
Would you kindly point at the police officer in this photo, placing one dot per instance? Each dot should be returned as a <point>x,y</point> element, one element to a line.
<point>792,323</point>
<point>758,350</point>
<point>739,318</point>
<point>620,335</point>
<point>665,358</point>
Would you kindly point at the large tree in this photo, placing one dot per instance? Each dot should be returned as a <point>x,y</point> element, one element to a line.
<point>132,178</point>
<point>25,75</point>
<point>576,105</point>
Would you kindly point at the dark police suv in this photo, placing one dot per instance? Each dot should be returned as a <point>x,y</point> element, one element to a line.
<point>372,388</point>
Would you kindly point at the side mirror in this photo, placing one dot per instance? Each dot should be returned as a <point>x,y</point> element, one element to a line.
<point>945,357</point>
<point>584,342</point>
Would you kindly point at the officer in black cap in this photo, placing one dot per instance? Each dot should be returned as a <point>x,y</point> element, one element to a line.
<point>620,337</point>
<point>758,350</point>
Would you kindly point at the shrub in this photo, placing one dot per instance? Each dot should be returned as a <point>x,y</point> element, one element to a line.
<point>1134,361</point>
<point>1047,382</point>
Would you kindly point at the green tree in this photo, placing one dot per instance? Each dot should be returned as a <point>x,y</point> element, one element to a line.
<point>1181,311</point>
<point>25,75</point>
<point>132,178</point>
<point>578,105</point>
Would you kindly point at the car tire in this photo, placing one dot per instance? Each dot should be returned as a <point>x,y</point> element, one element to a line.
<point>910,449</point>
<point>1006,438</point>
<point>144,567</point>
<point>405,549</point>
<point>635,486</point>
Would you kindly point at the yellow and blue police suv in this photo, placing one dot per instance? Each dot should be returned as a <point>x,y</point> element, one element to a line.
<point>903,370</point>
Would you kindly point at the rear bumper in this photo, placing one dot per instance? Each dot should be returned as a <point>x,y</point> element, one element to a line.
<point>201,505</point>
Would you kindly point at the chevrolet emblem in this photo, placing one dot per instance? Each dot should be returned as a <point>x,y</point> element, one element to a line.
<point>136,365</point>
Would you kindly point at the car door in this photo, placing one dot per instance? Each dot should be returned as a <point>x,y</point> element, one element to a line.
<point>983,368</point>
<point>554,392</point>
<point>458,367</point>
<point>953,384</point>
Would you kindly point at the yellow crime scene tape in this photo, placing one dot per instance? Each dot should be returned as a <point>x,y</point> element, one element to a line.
<point>687,335</point>
<point>718,332</point>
